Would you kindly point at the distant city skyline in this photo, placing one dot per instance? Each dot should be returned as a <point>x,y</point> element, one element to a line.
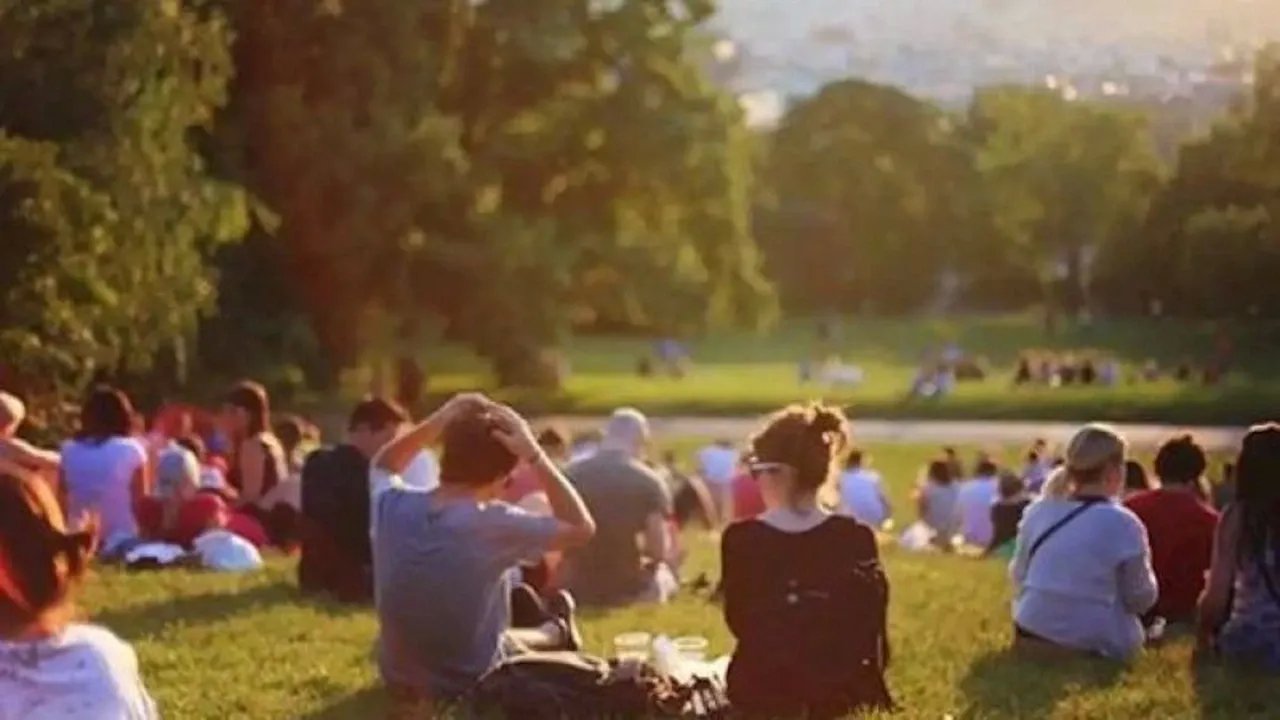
<point>943,49</point>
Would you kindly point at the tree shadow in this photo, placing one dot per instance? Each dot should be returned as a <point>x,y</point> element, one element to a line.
<point>152,618</point>
<point>371,702</point>
<point>1015,683</point>
<point>1229,691</point>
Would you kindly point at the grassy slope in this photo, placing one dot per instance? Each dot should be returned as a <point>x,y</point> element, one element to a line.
<point>214,646</point>
<point>743,373</point>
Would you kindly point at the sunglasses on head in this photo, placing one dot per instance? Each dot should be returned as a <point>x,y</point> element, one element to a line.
<point>758,468</point>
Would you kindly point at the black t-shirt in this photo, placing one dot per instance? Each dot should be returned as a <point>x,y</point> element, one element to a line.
<point>1005,517</point>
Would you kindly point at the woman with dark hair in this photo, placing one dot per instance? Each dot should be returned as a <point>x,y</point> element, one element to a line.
<point>1136,480</point>
<point>51,666</point>
<point>1240,609</point>
<point>257,457</point>
<point>104,469</point>
<point>804,593</point>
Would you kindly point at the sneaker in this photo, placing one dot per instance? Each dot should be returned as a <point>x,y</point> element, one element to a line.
<point>564,609</point>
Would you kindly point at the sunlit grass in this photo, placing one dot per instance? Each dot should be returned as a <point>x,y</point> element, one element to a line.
<point>218,646</point>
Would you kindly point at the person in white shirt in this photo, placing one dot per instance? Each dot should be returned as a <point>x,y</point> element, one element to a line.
<point>977,495</point>
<point>51,667</point>
<point>1082,574</point>
<point>862,493</point>
<point>717,466</point>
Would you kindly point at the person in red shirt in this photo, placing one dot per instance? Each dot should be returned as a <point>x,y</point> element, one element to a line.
<point>1180,525</point>
<point>748,501</point>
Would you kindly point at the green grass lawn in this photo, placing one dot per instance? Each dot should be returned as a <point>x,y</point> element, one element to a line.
<point>739,373</point>
<point>225,646</point>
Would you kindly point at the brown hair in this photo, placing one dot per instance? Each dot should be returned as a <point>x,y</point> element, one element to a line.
<point>472,455</point>
<point>252,398</point>
<point>807,438</point>
<point>40,562</point>
<point>106,413</point>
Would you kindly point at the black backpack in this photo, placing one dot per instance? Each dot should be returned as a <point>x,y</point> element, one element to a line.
<point>336,554</point>
<point>572,686</point>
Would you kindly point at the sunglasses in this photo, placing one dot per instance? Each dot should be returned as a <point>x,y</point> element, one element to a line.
<point>760,469</point>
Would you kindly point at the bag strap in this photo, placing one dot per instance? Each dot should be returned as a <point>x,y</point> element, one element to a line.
<point>1085,504</point>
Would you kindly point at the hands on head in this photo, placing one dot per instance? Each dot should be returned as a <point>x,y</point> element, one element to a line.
<point>509,427</point>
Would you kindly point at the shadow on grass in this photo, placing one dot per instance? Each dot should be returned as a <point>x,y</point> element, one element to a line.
<point>370,702</point>
<point>1009,683</point>
<point>152,618</point>
<point>1228,691</point>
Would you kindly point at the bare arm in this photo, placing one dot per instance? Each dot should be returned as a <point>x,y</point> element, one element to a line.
<point>398,453</point>
<point>30,456</point>
<point>576,527</point>
<point>251,460</point>
<point>1215,602</point>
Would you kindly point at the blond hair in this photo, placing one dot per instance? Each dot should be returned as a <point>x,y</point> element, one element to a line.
<point>1093,448</point>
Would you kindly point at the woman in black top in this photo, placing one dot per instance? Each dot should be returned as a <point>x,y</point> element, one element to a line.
<point>804,592</point>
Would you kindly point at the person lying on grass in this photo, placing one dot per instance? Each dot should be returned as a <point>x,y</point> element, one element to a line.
<point>51,667</point>
<point>444,559</point>
<point>1082,568</point>
<point>804,593</point>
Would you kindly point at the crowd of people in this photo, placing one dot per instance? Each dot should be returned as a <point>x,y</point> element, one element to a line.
<point>476,539</point>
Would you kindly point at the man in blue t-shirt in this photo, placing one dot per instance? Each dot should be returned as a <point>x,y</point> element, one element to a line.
<point>444,559</point>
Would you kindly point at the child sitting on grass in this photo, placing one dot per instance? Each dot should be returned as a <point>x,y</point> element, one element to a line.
<point>51,667</point>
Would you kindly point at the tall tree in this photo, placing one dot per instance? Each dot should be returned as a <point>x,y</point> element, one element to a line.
<point>108,213</point>
<point>866,199</point>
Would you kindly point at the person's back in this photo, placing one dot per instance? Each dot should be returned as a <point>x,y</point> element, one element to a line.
<point>862,496</point>
<point>975,498</point>
<point>1075,591</point>
<point>622,495</point>
<point>941,511</point>
<point>336,555</point>
<point>1180,527</point>
<point>98,476</point>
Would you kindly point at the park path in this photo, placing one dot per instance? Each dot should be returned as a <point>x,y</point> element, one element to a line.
<point>960,432</point>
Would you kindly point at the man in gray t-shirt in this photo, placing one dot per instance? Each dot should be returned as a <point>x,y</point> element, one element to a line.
<point>444,559</point>
<point>630,502</point>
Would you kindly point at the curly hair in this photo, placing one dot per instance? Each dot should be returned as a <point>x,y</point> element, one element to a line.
<point>808,438</point>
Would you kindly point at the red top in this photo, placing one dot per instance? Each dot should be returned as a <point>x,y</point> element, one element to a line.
<point>747,500</point>
<point>197,514</point>
<point>1180,528</point>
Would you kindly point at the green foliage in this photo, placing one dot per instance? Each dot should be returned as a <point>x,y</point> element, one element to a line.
<point>867,199</point>
<point>1063,180</point>
<point>1208,246</point>
<point>107,211</point>
<point>497,171</point>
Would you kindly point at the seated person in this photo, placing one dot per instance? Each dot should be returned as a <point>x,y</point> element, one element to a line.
<point>18,453</point>
<point>444,559</point>
<point>176,512</point>
<point>50,666</point>
<point>690,496</point>
<point>1136,480</point>
<point>937,504</point>
<point>804,593</point>
<point>1082,569</point>
<point>1240,610</point>
<point>628,501</point>
<point>1006,514</point>
<point>1180,527</point>
<point>974,500</point>
<point>862,492</point>
<point>336,556</point>
<point>748,502</point>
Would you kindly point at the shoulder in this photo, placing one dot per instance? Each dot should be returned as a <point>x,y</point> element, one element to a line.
<point>1119,519</point>
<point>98,649</point>
<point>851,531</point>
<point>741,532</point>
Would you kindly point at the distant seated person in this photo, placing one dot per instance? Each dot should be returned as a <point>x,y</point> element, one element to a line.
<point>18,453</point>
<point>692,500</point>
<point>1082,572</point>
<point>862,494</point>
<point>1006,514</point>
<point>524,490</point>
<point>748,501</point>
<point>1136,480</point>
<point>176,512</point>
<point>937,505</point>
<point>1180,526</point>
<point>804,593</point>
<point>630,560</point>
<point>1022,375</point>
<point>718,466</point>
<point>213,470</point>
<point>444,560</point>
<point>336,554</point>
<point>975,499</point>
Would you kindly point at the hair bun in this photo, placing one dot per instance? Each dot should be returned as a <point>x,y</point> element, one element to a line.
<point>830,424</point>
